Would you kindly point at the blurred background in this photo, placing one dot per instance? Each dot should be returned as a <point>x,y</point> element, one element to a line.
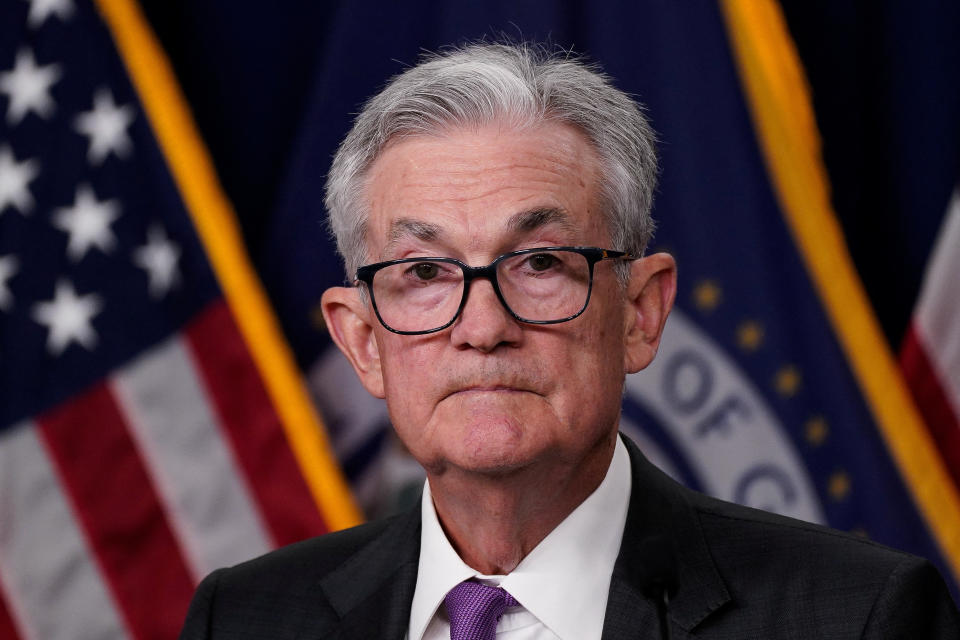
<point>810,151</point>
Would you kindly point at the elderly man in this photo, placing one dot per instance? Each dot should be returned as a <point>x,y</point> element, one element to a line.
<point>492,204</point>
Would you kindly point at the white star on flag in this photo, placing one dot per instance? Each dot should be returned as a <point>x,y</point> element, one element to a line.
<point>8,267</point>
<point>88,223</point>
<point>40,10</point>
<point>14,178</point>
<point>68,318</point>
<point>159,258</point>
<point>106,126</point>
<point>28,87</point>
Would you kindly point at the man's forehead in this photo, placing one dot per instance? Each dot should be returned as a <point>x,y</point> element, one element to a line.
<point>486,187</point>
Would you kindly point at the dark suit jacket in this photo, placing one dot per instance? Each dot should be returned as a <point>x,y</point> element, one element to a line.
<point>741,573</point>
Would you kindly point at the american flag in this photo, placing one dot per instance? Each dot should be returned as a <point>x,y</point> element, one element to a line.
<point>930,354</point>
<point>151,426</point>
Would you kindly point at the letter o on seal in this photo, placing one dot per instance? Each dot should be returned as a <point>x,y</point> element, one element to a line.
<point>687,381</point>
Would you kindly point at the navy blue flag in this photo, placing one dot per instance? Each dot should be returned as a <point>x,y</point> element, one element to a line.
<point>773,387</point>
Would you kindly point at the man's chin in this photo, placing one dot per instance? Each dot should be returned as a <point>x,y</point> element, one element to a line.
<point>490,432</point>
<point>501,445</point>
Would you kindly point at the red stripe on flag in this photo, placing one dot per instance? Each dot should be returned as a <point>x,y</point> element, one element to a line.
<point>932,401</point>
<point>8,631</point>
<point>104,475</point>
<point>253,427</point>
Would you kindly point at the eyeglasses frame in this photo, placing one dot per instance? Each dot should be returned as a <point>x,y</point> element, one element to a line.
<point>593,255</point>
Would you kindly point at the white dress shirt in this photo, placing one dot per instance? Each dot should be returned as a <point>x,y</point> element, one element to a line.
<point>561,585</point>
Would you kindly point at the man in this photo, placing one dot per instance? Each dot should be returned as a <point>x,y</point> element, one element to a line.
<point>493,204</point>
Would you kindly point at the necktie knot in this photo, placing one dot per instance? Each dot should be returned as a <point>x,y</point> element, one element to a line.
<point>474,610</point>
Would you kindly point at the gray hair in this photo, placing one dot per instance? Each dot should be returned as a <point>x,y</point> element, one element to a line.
<point>521,85</point>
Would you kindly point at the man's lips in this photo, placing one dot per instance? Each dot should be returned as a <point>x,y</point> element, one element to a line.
<point>487,389</point>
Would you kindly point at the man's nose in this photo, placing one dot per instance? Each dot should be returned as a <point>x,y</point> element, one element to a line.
<point>484,323</point>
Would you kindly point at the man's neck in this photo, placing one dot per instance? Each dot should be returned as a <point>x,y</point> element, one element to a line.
<point>494,521</point>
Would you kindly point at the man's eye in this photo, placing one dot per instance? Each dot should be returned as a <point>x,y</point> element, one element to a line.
<point>541,261</point>
<point>425,270</point>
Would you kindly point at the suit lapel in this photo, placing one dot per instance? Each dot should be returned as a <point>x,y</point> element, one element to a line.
<point>373,590</point>
<point>659,508</point>
<point>630,614</point>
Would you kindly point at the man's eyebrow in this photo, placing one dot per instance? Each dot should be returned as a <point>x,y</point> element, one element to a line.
<point>405,227</point>
<point>526,221</point>
<point>521,222</point>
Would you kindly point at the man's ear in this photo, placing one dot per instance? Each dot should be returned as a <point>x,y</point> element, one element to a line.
<point>349,321</point>
<point>650,295</point>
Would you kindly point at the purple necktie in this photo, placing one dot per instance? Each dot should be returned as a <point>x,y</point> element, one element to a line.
<point>475,609</point>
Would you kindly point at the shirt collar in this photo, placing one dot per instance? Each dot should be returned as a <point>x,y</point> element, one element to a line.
<point>564,581</point>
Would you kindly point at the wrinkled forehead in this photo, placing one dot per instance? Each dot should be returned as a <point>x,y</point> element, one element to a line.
<point>472,187</point>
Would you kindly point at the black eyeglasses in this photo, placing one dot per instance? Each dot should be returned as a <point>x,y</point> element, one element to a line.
<point>543,285</point>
